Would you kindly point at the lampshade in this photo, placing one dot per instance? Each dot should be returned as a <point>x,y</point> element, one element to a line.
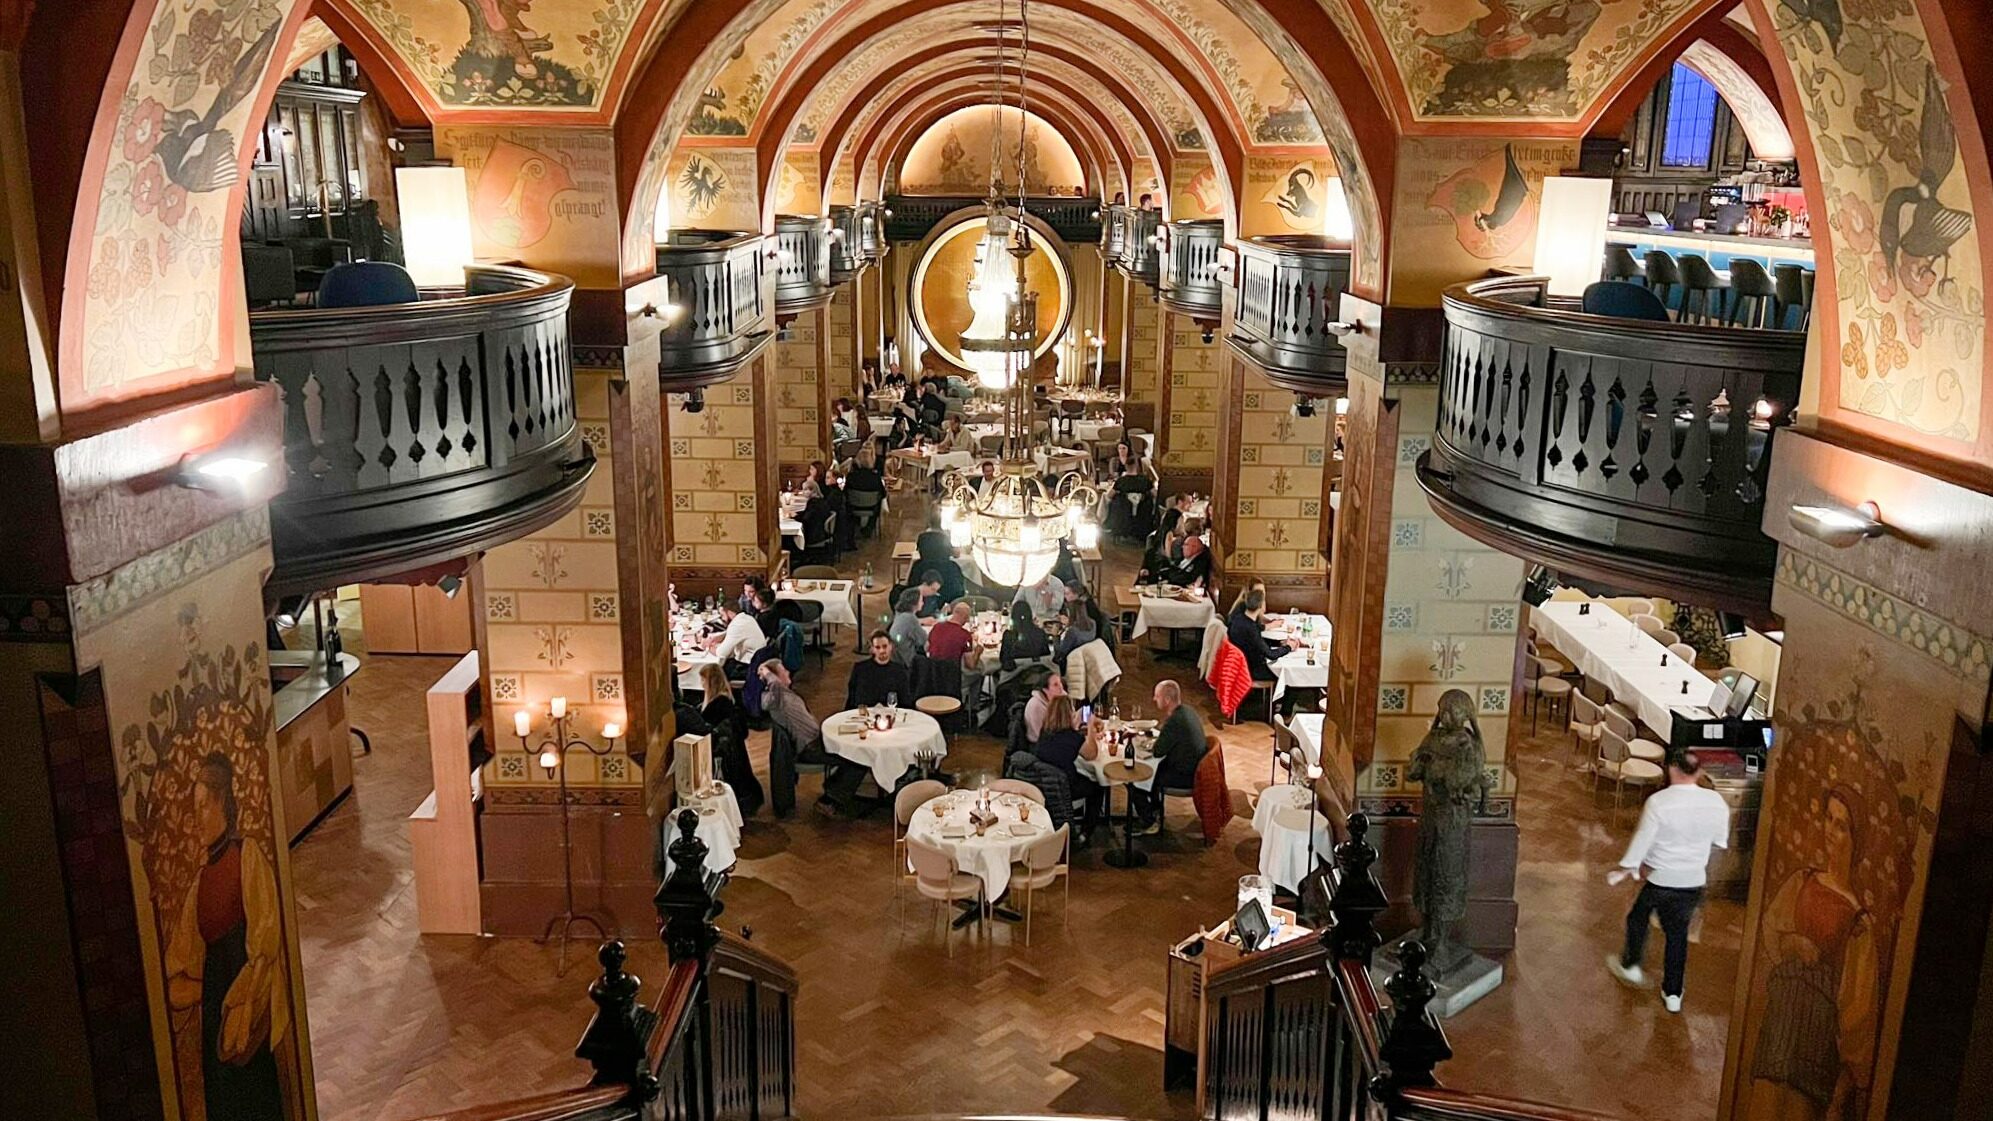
<point>1570,240</point>
<point>1336,222</point>
<point>435,224</point>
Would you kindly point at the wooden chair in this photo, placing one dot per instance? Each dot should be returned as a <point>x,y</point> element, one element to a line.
<point>1047,860</point>
<point>911,797</point>
<point>1617,763</point>
<point>1019,787</point>
<point>1619,723</point>
<point>937,877</point>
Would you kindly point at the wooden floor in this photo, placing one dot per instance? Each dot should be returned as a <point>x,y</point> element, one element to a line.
<point>403,1025</point>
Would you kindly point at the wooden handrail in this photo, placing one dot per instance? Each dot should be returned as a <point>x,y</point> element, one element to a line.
<point>755,961</point>
<point>558,1105</point>
<point>1438,1102</point>
<point>673,1010</point>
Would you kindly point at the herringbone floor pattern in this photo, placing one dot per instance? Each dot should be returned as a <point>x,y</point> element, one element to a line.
<point>888,1023</point>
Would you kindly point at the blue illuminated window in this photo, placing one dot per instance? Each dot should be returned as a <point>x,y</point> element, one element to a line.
<point>1691,120</point>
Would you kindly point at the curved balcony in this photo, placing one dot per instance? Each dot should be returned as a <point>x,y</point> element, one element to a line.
<point>1627,454</point>
<point>909,218</point>
<point>801,255</point>
<point>1188,280</point>
<point>1290,299</point>
<point>418,433</point>
<point>1139,256</point>
<point>710,303</point>
<point>847,243</point>
<point>1113,233</point>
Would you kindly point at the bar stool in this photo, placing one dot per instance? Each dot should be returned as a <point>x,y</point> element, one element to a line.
<point>1663,276</point>
<point>1749,282</point>
<point>1620,265</point>
<point>1789,294</point>
<point>1699,283</point>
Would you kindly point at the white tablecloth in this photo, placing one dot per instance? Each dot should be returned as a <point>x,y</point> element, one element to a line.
<point>1307,729</point>
<point>889,754</point>
<point>693,661</point>
<point>835,595</point>
<point>1282,825</point>
<point>719,826</point>
<point>988,857</point>
<point>1291,670</point>
<point>882,426</point>
<point>1089,430</point>
<point>1608,648</point>
<point>790,528</point>
<point>1062,460</point>
<point>1173,613</point>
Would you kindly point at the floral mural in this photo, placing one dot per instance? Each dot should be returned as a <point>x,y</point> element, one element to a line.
<point>504,53</point>
<point>1907,268</point>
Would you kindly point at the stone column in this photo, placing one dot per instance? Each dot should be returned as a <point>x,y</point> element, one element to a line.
<point>802,413</point>
<point>1141,355</point>
<point>721,463</point>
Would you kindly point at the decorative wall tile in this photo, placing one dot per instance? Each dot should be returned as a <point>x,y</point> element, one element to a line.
<point>596,436</point>
<point>1408,534</point>
<point>1393,698</point>
<point>507,687</point>
<point>1401,616</point>
<point>501,607</point>
<point>605,687</point>
<point>1502,618</point>
<point>603,607</point>
<point>1494,699</point>
<point>598,521</point>
<point>1410,448</point>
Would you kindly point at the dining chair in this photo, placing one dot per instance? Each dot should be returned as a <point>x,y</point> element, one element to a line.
<point>1649,623</point>
<point>1619,722</point>
<point>911,797</point>
<point>1683,651</point>
<point>1616,762</point>
<point>1635,605</point>
<point>1551,689</point>
<point>1019,787</point>
<point>1587,721</point>
<point>1047,859</point>
<point>1665,637</point>
<point>1284,743</point>
<point>937,877</point>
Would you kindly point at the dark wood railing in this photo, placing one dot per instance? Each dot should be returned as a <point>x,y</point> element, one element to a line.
<point>1130,243</point>
<point>1628,453</point>
<point>716,1044</point>
<point>1188,280</point>
<point>418,433</point>
<point>1289,307</point>
<point>801,255</point>
<point>1298,1032</point>
<point>711,309</point>
<point>854,240</point>
<point>913,217</point>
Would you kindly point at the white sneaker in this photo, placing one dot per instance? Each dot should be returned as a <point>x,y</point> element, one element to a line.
<point>1629,975</point>
<point>1673,1003</point>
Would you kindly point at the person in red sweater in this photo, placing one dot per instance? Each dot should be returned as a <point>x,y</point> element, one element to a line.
<point>951,639</point>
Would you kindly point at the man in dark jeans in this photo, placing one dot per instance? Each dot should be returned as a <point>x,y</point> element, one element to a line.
<point>1678,826</point>
<point>798,738</point>
<point>1179,748</point>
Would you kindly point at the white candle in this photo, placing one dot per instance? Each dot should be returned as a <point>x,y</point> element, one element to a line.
<point>558,708</point>
<point>611,730</point>
<point>522,723</point>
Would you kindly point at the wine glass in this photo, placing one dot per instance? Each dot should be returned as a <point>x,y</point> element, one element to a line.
<point>893,701</point>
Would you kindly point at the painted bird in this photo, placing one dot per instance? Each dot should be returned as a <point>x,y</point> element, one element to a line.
<point>1515,189</point>
<point>1914,223</point>
<point>196,152</point>
<point>1826,13</point>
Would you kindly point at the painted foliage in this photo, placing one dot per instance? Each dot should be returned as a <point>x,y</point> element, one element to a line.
<point>165,213</point>
<point>179,646</point>
<point>1539,59</point>
<point>1908,272</point>
<point>507,53</point>
<point>731,101</point>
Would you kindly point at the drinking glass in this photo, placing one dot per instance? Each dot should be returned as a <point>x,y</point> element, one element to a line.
<point>892,700</point>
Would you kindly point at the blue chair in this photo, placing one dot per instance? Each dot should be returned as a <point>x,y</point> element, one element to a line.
<point>366,284</point>
<point>1621,300</point>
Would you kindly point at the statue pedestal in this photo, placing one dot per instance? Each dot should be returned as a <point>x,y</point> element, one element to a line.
<point>1467,982</point>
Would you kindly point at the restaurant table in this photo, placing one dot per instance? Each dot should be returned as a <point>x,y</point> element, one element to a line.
<point>719,825</point>
<point>988,855</point>
<point>838,597</point>
<point>689,663</point>
<point>1293,669</point>
<point>1171,613</point>
<point>1307,728</point>
<point>887,753</point>
<point>1611,649</point>
<point>1283,820</point>
<point>1089,430</point>
<point>882,426</point>
<point>1060,459</point>
<point>1119,772</point>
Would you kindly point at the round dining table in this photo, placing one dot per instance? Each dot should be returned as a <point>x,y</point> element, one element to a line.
<point>988,855</point>
<point>720,824</point>
<point>1282,820</point>
<point>887,753</point>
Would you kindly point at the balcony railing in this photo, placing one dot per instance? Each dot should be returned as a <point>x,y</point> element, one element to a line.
<point>1133,248</point>
<point>418,433</point>
<point>852,249</point>
<point>1290,295</point>
<point>1188,280</point>
<point>1113,234</point>
<point>871,230</point>
<point>711,303</point>
<point>1627,454</point>
<point>913,217</point>
<point>801,253</point>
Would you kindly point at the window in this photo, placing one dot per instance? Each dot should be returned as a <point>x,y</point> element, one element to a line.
<point>1691,120</point>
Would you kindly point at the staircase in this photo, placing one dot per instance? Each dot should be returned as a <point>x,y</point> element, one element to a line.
<point>1296,1033</point>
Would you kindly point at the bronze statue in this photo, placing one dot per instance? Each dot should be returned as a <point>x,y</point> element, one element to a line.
<point>1452,765</point>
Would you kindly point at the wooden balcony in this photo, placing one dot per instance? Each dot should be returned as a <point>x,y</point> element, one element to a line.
<point>854,240</point>
<point>1290,293</point>
<point>1628,455</point>
<point>1188,279</point>
<point>418,433</point>
<point>708,297</point>
<point>800,256</point>
<point>913,217</point>
<point>1130,245</point>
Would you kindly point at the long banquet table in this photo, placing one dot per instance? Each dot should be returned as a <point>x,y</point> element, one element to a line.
<point>1607,647</point>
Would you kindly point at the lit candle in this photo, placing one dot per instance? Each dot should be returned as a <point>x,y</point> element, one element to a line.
<point>611,730</point>
<point>522,723</point>
<point>558,708</point>
<point>549,758</point>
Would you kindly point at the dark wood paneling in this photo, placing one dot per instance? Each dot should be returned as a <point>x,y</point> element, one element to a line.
<point>1290,290</point>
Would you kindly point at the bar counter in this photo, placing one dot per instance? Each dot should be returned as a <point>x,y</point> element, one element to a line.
<point>1719,248</point>
<point>314,740</point>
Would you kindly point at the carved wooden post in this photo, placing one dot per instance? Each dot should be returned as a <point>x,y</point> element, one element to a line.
<point>1358,898</point>
<point>615,1042</point>
<point>1414,1043</point>
<point>685,907</point>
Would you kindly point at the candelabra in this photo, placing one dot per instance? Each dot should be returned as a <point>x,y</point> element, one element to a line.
<point>552,752</point>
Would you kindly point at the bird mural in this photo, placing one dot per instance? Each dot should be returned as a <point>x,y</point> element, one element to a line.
<point>194,150</point>
<point>1509,199</point>
<point>1826,13</point>
<point>702,184</point>
<point>1915,227</point>
<point>1491,204</point>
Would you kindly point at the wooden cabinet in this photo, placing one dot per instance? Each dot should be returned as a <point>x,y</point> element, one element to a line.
<point>416,619</point>
<point>443,830</point>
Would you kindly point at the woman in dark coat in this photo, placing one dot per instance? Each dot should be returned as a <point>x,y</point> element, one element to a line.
<point>729,724</point>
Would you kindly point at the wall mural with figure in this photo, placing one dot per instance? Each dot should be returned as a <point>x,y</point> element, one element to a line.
<point>713,189</point>
<point>179,646</point>
<point>1290,195</point>
<point>508,53</point>
<point>953,156</point>
<point>1465,206</point>
<point>1909,271</point>
<point>1536,59</point>
<point>543,196</point>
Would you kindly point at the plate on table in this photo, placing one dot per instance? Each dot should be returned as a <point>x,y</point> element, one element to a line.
<point>1020,829</point>
<point>954,832</point>
<point>1140,725</point>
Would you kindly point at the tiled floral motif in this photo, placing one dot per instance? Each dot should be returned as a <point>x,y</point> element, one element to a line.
<point>1456,576</point>
<point>605,687</point>
<point>501,607</point>
<point>1244,560</point>
<point>1401,616</point>
<point>1408,534</point>
<point>1494,699</point>
<point>1384,777</point>
<point>598,521</point>
<point>613,767</point>
<point>1394,698</point>
<point>596,436</point>
<point>549,562</point>
<point>603,607</point>
<point>1410,448</point>
<point>1447,655</point>
<point>554,645</point>
<point>1502,618</point>
<point>507,687</point>
<point>512,766</point>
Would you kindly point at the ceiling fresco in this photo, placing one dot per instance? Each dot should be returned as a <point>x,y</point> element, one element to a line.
<point>512,54</point>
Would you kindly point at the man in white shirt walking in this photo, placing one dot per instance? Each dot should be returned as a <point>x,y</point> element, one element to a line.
<point>1671,847</point>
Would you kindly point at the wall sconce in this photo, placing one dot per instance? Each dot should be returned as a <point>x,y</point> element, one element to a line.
<point>1570,250</point>
<point>1835,526</point>
<point>219,471</point>
<point>436,224</point>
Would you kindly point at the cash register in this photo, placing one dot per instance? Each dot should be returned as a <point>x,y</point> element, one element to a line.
<point>1725,722</point>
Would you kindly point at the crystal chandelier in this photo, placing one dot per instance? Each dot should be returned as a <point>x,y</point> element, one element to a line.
<point>1014,525</point>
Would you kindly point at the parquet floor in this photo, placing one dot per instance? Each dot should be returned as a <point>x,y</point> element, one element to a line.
<point>889,1024</point>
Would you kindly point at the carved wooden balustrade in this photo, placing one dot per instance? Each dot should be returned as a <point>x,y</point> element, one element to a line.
<point>1136,249</point>
<point>912,217</point>
<point>1625,453</point>
<point>801,258</point>
<point>854,240</point>
<point>418,433</point>
<point>1290,290</point>
<point>707,304</point>
<point>1189,280</point>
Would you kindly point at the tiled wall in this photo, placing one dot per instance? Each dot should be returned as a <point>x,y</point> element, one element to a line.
<point>716,473</point>
<point>1195,370</point>
<point>1143,369</point>
<point>1450,617</point>
<point>1271,488</point>
<point>841,323</point>
<point>798,383</point>
<point>554,623</point>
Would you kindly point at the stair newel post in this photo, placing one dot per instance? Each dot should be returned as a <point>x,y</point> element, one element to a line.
<point>1414,1043</point>
<point>686,911</point>
<point>1357,898</point>
<point>615,1040</point>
